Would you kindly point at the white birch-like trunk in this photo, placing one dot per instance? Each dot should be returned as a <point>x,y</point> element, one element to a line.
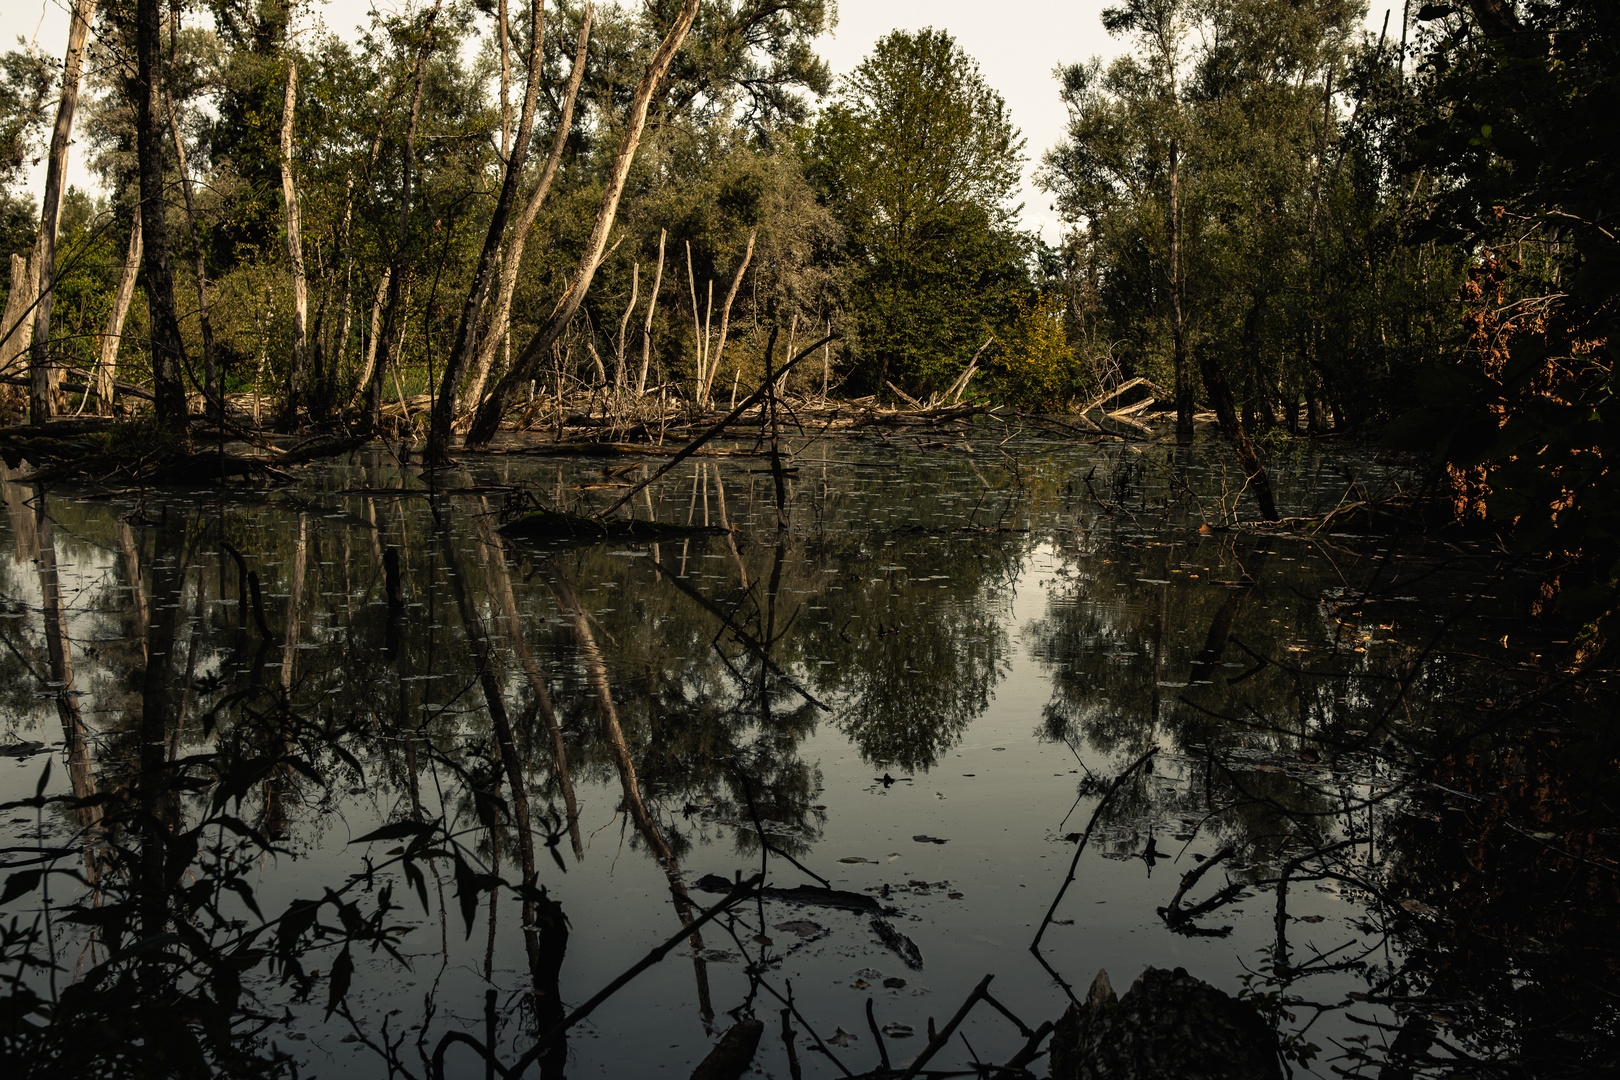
<point>295,250</point>
<point>107,365</point>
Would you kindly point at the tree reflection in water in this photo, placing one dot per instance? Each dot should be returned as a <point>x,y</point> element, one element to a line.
<point>307,733</point>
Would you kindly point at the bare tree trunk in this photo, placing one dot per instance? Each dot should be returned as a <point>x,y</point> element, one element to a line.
<point>295,254</point>
<point>211,394</point>
<point>1178,332</point>
<point>462,352</point>
<point>396,264</point>
<point>700,340</point>
<point>725,315</point>
<point>652,306</point>
<point>488,419</point>
<point>624,325</point>
<point>376,322</point>
<point>168,347</point>
<point>110,340</point>
<point>495,330</point>
<point>44,379</point>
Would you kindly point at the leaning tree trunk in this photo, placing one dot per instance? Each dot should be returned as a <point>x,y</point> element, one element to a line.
<point>168,349</point>
<point>488,419</point>
<point>495,330</point>
<point>295,256</point>
<point>43,381</point>
<point>107,366</point>
<point>461,352</point>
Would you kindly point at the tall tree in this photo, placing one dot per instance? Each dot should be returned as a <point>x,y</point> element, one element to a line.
<point>462,351</point>
<point>920,158</point>
<point>43,378</point>
<point>168,349</point>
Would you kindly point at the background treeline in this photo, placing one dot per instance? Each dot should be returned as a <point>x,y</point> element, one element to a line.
<point>742,208</point>
<point>1296,222</point>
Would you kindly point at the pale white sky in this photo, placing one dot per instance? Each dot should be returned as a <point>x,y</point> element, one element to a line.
<point>1016,42</point>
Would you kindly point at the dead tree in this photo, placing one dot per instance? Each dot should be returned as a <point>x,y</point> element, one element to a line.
<point>392,316</point>
<point>488,419</point>
<point>652,306</point>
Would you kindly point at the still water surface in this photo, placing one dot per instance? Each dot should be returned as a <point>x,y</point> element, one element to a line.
<point>922,688</point>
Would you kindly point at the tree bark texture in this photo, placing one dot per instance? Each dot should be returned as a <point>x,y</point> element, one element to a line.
<point>168,348</point>
<point>18,328</point>
<point>44,378</point>
<point>488,419</point>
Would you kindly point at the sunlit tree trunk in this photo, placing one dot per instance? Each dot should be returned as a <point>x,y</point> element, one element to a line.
<point>295,255</point>
<point>624,326</point>
<point>725,315</point>
<point>43,377</point>
<point>107,365</point>
<point>646,327</point>
<point>211,389</point>
<point>376,325</point>
<point>18,329</point>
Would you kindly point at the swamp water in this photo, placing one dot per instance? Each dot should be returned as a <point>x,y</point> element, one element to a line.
<point>921,690</point>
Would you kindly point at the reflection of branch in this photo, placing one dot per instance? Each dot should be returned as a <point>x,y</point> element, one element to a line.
<point>759,827</point>
<point>742,636</point>
<point>1035,946</point>
<point>1180,919</point>
<point>739,892</point>
<point>937,1043</point>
